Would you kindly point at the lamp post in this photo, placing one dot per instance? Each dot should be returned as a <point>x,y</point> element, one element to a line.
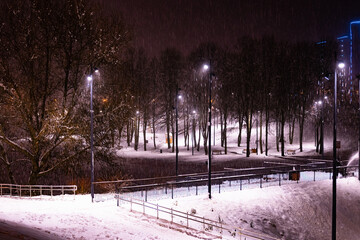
<point>333,233</point>
<point>90,80</point>
<point>176,123</point>
<point>358,77</point>
<point>208,67</point>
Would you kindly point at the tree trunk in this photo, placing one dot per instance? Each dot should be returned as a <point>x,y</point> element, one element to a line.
<point>248,133</point>
<point>277,135</point>
<point>198,144</point>
<point>301,128</point>
<point>282,133</point>
<point>137,128</point>
<point>291,130</point>
<point>168,130</point>
<point>35,170</point>
<point>120,129</point>
<point>144,133</point>
<point>221,129</point>
<point>260,137</point>
<point>154,132</point>
<point>172,133</point>
<point>225,129</point>
<point>240,116</point>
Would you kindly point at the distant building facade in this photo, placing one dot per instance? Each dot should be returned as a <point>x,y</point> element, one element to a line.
<point>348,53</point>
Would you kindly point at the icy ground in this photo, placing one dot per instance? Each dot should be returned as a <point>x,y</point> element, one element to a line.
<point>297,211</point>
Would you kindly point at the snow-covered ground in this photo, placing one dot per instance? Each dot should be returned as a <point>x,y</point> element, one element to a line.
<point>296,211</point>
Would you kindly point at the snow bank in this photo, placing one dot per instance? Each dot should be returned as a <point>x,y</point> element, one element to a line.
<point>297,211</point>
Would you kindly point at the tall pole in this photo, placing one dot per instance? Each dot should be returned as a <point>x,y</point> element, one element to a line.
<point>333,233</point>
<point>176,120</point>
<point>257,139</point>
<point>209,123</point>
<point>90,78</point>
<point>359,131</point>
<point>192,136</point>
<point>322,125</point>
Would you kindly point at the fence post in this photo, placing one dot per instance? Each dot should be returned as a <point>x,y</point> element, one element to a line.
<point>20,190</point>
<point>187,220</point>
<point>204,222</point>
<point>261,182</point>
<point>172,217</point>
<point>157,211</point>
<point>165,188</point>
<point>10,190</point>
<point>1,186</point>
<point>219,187</point>
<point>230,183</point>
<point>143,207</point>
<point>40,190</point>
<point>130,204</point>
<point>314,176</point>
<point>30,189</point>
<point>196,190</point>
<point>240,184</point>
<point>51,190</point>
<point>279,179</point>
<point>145,194</point>
<point>172,191</point>
<point>62,190</point>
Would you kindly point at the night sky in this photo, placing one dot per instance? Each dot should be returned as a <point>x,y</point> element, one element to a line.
<point>185,23</point>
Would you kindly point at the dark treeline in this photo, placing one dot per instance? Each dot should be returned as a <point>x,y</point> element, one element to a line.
<point>50,47</point>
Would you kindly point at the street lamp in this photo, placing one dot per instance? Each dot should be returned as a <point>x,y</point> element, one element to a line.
<point>340,66</point>
<point>358,77</point>
<point>90,80</point>
<point>176,119</point>
<point>208,67</point>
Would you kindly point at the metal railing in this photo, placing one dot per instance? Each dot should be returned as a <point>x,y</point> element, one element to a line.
<point>185,219</point>
<point>35,190</point>
<point>225,181</point>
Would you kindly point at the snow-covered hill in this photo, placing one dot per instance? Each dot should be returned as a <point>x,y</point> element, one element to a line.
<point>297,211</point>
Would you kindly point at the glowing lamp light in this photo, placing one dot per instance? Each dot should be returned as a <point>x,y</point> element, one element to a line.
<point>89,78</point>
<point>206,67</point>
<point>341,65</point>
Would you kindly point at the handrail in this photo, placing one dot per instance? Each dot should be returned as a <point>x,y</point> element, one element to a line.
<point>31,190</point>
<point>224,178</point>
<point>191,217</point>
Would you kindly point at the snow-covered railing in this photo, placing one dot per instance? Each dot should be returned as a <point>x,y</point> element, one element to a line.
<point>189,220</point>
<point>35,190</point>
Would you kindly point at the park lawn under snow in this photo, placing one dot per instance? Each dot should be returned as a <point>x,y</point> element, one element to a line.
<point>296,211</point>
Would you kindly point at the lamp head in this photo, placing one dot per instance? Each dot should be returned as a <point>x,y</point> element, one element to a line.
<point>90,78</point>
<point>341,65</point>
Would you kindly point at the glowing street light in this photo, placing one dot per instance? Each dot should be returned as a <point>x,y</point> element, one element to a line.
<point>208,67</point>
<point>333,233</point>
<point>90,80</point>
